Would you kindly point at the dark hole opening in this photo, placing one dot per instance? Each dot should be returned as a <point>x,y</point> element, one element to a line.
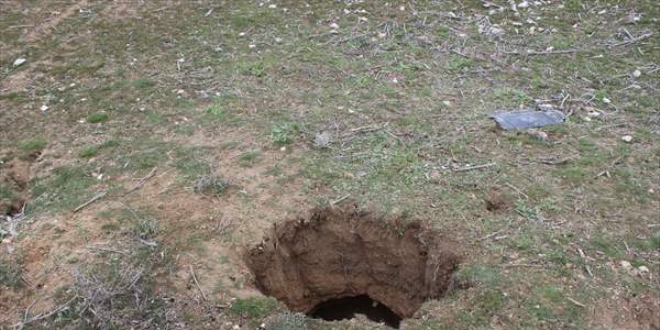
<point>346,308</point>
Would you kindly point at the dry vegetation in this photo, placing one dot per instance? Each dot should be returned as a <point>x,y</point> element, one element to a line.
<point>145,144</point>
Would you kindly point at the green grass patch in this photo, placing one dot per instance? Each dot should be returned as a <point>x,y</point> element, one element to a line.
<point>98,117</point>
<point>254,307</point>
<point>32,145</point>
<point>284,133</point>
<point>66,188</point>
<point>248,158</point>
<point>88,152</point>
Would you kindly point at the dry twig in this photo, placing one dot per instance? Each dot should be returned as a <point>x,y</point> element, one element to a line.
<point>476,167</point>
<point>96,197</point>
<point>192,272</point>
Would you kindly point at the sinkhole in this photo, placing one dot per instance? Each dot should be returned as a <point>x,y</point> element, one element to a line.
<point>333,263</point>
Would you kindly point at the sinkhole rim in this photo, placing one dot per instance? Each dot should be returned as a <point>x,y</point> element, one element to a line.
<point>334,253</point>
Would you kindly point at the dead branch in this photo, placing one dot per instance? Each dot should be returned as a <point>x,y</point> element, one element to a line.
<point>548,52</point>
<point>192,272</point>
<point>96,197</point>
<point>142,181</point>
<point>633,40</point>
<point>46,315</point>
<point>576,303</point>
<point>476,167</point>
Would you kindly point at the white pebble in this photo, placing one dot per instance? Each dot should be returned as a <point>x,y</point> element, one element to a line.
<point>637,73</point>
<point>44,108</point>
<point>627,138</point>
<point>334,26</point>
<point>19,61</point>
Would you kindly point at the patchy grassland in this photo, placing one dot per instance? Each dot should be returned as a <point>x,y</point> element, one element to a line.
<point>205,122</point>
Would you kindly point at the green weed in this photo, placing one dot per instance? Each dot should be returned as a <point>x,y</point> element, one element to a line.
<point>98,117</point>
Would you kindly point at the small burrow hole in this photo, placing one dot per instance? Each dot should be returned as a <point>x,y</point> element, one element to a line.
<point>346,308</point>
<point>334,263</point>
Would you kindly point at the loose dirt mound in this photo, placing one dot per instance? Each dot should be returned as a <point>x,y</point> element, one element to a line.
<point>333,254</point>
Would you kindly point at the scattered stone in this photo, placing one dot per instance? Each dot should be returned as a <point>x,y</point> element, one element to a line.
<point>322,140</point>
<point>594,114</point>
<point>545,106</point>
<point>627,138</point>
<point>272,6</point>
<point>434,176</point>
<point>637,73</point>
<point>43,108</point>
<point>627,266</point>
<point>334,26</point>
<point>537,134</point>
<point>19,61</point>
<point>643,271</point>
<point>523,4</point>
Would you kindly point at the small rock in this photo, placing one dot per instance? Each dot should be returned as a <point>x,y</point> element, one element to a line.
<point>19,61</point>
<point>43,108</point>
<point>434,176</point>
<point>606,100</point>
<point>322,140</point>
<point>283,149</point>
<point>262,326</point>
<point>627,266</point>
<point>334,26</point>
<point>523,4</point>
<point>545,106</point>
<point>643,271</point>
<point>637,73</point>
<point>272,6</point>
<point>627,138</point>
<point>446,103</point>
<point>236,327</point>
<point>593,114</point>
<point>363,19</point>
<point>537,134</point>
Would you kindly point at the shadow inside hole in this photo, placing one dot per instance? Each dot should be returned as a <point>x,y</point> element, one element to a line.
<point>346,308</point>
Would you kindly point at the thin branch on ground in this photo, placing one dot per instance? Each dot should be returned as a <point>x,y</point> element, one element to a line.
<point>96,197</point>
<point>192,272</point>
<point>476,167</point>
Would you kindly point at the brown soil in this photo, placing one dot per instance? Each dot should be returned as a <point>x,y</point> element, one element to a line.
<point>336,253</point>
<point>14,176</point>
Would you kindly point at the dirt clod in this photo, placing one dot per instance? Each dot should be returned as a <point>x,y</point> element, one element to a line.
<point>334,253</point>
